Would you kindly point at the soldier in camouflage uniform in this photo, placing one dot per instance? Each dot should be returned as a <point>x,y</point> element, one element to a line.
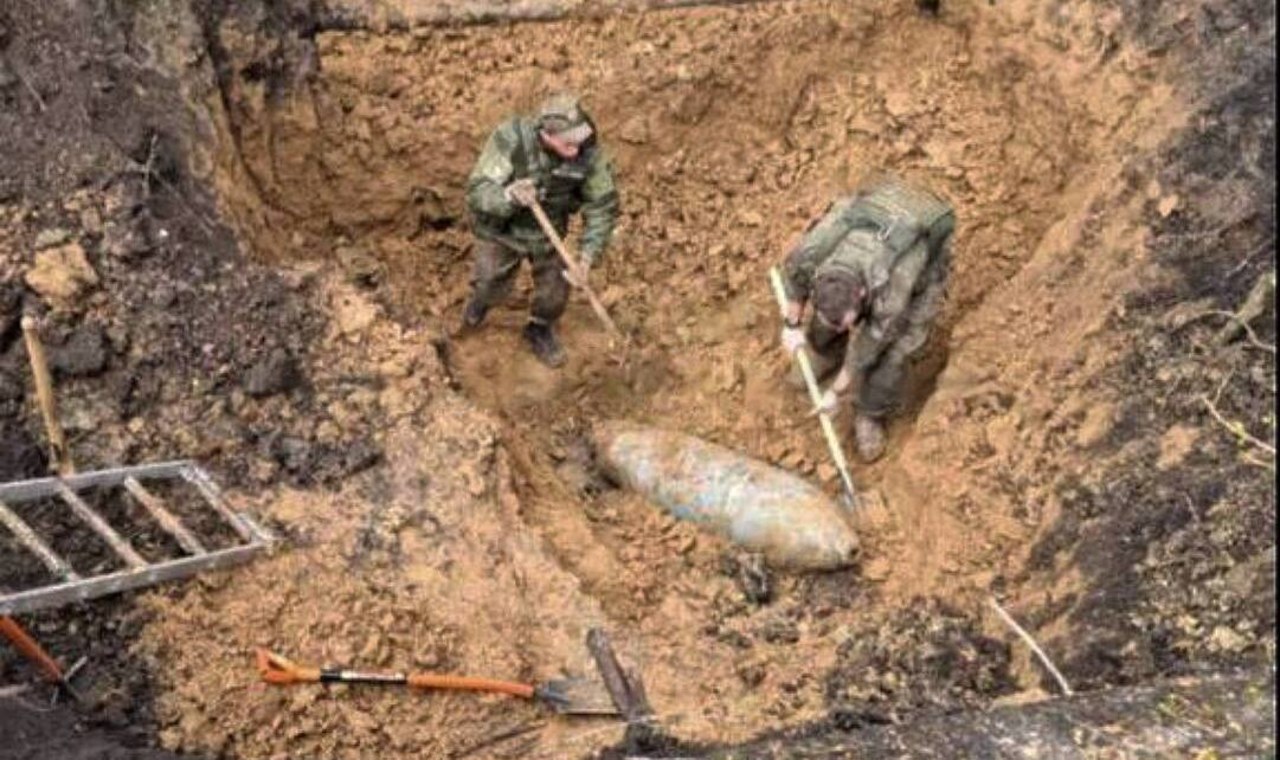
<point>556,159</point>
<point>878,262</point>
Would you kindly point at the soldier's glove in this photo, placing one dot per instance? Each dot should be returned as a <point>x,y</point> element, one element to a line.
<point>829,404</point>
<point>792,339</point>
<point>522,192</point>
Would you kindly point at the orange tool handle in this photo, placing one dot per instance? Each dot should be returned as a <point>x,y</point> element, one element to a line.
<point>278,670</point>
<point>467,683</point>
<point>30,648</point>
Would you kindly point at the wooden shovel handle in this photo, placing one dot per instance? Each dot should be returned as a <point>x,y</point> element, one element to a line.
<point>61,456</point>
<point>563,250</point>
<point>467,683</point>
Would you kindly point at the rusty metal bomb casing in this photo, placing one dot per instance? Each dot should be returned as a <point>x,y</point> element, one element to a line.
<point>753,504</point>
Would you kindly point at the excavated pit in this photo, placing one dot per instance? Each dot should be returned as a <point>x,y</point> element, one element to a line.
<point>478,539</point>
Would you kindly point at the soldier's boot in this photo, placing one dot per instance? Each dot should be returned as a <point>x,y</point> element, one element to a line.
<point>868,437</point>
<point>822,366</point>
<point>544,344</point>
<point>473,315</point>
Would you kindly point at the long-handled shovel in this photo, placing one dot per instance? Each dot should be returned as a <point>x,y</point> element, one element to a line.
<point>580,277</point>
<point>828,429</point>
<point>569,696</point>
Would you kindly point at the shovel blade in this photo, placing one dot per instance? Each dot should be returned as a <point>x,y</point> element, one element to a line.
<point>576,696</point>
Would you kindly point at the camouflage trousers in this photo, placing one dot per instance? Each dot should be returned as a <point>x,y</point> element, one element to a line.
<point>878,384</point>
<point>495,271</point>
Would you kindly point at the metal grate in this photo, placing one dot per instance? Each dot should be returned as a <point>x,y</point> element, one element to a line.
<point>72,587</point>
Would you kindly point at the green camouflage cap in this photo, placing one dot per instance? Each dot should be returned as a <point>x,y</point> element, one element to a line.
<point>562,115</point>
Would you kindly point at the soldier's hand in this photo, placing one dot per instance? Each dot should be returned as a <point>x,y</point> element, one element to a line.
<point>829,404</point>
<point>792,339</point>
<point>522,192</point>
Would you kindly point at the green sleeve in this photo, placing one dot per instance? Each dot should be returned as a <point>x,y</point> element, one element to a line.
<point>818,243</point>
<point>492,172</point>
<point>599,207</point>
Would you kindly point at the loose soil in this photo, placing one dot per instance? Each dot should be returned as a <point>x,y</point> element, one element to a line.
<point>435,493</point>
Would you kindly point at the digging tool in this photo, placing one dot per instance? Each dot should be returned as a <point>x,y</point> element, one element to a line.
<point>815,395</point>
<point>31,649</point>
<point>567,696</point>
<point>60,456</point>
<point>580,276</point>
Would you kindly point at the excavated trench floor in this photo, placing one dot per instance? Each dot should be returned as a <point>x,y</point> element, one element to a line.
<point>730,129</point>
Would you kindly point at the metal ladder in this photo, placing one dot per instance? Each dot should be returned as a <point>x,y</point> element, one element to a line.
<point>72,587</point>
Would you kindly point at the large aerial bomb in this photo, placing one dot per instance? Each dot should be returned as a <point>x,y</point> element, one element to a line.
<point>753,504</point>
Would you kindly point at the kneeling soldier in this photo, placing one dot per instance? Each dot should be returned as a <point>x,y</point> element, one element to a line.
<point>878,262</point>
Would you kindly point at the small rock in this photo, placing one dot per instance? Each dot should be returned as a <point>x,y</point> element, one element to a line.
<point>1097,425</point>
<point>125,241</point>
<point>779,630</point>
<point>61,274</point>
<point>10,388</point>
<point>301,275</point>
<point>10,313</point>
<point>83,355</point>
<point>278,373</point>
<point>1225,639</point>
<point>358,456</point>
<point>635,131</point>
<point>20,456</point>
<point>91,221</point>
<point>1168,205</point>
<point>52,237</point>
<point>353,313</point>
<point>399,366</point>
<point>1175,445</point>
<point>751,674</point>
<point>751,218</point>
<point>294,454</point>
<point>361,268</point>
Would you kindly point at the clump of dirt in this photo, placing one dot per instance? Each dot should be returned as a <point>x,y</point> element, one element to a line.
<point>928,659</point>
<point>30,730</point>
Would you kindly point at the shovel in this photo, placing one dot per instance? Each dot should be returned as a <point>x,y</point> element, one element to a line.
<point>569,696</point>
<point>580,278</point>
<point>849,499</point>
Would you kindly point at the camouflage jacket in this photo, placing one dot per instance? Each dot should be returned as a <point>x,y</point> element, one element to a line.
<point>895,236</point>
<point>584,184</point>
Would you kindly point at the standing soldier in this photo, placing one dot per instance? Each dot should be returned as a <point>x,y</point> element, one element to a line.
<point>555,160</point>
<point>877,261</point>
